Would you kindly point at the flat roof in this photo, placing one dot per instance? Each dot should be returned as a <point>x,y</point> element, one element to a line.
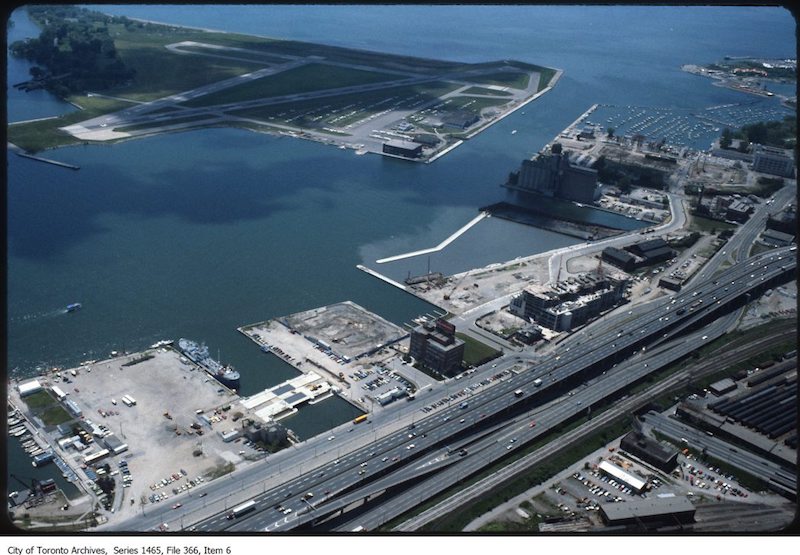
<point>615,471</point>
<point>29,387</point>
<point>650,507</point>
<point>403,144</point>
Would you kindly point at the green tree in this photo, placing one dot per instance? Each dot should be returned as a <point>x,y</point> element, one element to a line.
<point>726,138</point>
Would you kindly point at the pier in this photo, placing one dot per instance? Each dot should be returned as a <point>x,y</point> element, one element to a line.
<point>19,152</point>
<point>49,161</point>
<point>441,245</point>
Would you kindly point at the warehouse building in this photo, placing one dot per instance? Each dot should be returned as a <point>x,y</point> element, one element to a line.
<point>652,250</point>
<point>29,388</point>
<point>775,238</point>
<point>406,149</point>
<point>613,471</point>
<point>722,387</point>
<point>435,345</point>
<point>114,444</point>
<point>620,258</point>
<point>649,513</point>
<point>650,451</point>
<point>460,119</point>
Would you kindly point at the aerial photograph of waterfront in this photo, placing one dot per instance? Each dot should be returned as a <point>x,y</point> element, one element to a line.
<point>400,269</point>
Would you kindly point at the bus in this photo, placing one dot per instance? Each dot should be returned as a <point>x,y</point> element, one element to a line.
<point>242,509</point>
<point>360,419</point>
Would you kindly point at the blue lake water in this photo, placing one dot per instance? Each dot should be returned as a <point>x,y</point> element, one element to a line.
<point>194,234</point>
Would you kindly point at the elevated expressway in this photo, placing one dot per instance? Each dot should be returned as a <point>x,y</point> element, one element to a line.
<point>410,465</point>
<point>410,475</point>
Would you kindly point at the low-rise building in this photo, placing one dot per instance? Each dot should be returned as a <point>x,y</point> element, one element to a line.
<point>620,258</point>
<point>775,238</point>
<point>722,387</point>
<point>406,149</point>
<point>649,513</point>
<point>739,211</point>
<point>649,451</point>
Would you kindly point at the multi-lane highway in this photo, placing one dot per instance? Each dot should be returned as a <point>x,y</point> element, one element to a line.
<point>361,461</point>
<point>407,453</point>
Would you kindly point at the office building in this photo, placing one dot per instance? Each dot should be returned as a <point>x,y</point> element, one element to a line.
<point>435,345</point>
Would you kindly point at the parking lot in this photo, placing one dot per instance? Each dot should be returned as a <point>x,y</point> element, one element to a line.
<point>170,430</point>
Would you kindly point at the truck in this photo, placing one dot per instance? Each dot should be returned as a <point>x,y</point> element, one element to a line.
<point>239,510</point>
<point>537,382</point>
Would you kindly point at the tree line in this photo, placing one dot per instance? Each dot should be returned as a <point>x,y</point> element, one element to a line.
<point>74,52</point>
<point>780,134</point>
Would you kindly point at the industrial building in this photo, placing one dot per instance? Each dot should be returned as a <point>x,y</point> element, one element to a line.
<point>776,238</point>
<point>650,451</point>
<point>426,139</point>
<point>785,220</point>
<point>406,149</point>
<point>571,303</point>
<point>114,444</point>
<point>613,471</point>
<point>273,434</point>
<point>652,251</point>
<point>670,283</point>
<point>649,513</point>
<point>460,119</point>
<point>435,345</point>
<point>722,387</point>
<point>620,258</point>
<point>774,161</point>
<point>555,175</point>
<point>29,388</point>
<point>771,409</point>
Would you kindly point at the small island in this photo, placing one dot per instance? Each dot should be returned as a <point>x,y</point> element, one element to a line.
<point>133,78</point>
<point>750,75</point>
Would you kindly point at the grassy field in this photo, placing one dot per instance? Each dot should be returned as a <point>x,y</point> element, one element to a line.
<point>40,135</point>
<point>489,92</point>
<point>476,352</point>
<point>160,72</point>
<point>514,79</point>
<point>351,107</point>
<point>54,416</point>
<point>307,78</point>
<point>707,225</point>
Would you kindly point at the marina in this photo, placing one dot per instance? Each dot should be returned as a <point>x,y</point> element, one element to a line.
<point>689,128</point>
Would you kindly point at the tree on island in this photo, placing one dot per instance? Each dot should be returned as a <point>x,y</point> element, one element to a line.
<point>74,51</point>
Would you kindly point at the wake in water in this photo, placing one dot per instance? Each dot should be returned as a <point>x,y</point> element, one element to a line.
<point>36,316</point>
